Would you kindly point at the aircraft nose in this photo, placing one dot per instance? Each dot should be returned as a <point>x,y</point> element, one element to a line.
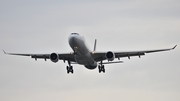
<point>72,39</point>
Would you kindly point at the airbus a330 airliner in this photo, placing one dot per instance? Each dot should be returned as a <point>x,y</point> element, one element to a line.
<point>83,56</point>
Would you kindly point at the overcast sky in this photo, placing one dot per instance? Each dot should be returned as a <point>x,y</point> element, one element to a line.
<point>42,26</point>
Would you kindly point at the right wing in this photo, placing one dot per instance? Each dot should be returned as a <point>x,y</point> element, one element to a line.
<point>99,56</point>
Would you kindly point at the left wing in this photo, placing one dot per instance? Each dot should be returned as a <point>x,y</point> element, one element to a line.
<point>99,56</point>
<point>69,57</point>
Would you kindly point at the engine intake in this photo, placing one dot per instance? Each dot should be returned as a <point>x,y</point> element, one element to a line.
<point>54,57</point>
<point>110,56</point>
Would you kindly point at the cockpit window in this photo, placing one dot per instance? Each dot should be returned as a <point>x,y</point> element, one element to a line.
<point>74,34</point>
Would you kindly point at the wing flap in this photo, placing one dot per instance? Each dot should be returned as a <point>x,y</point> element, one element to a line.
<point>128,54</point>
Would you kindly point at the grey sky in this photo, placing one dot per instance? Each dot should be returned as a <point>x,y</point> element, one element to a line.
<point>119,25</point>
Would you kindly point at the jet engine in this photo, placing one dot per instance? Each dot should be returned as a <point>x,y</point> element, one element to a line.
<point>54,57</point>
<point>110,56</point>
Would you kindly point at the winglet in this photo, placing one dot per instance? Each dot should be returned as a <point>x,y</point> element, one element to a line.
<point>4,52</point>
<point>174,47</point>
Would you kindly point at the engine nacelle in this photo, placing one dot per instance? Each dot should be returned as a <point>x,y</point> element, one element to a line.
<point>54,57</point>
<point>110,56</point>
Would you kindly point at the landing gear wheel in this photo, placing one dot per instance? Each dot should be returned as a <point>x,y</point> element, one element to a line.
<point>72,71</point>
<point>69,69</point>
<point>101,68</point>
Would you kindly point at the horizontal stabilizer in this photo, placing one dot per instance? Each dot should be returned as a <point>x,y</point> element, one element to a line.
<point>112,62</point>
<point>4,52</point>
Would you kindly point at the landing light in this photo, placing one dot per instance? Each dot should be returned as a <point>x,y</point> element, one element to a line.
<point>92,52</point>
<point>75,47</point>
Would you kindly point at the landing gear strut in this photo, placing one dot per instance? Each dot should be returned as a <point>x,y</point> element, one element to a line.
<point>101,68</point>
<point>69,68</point>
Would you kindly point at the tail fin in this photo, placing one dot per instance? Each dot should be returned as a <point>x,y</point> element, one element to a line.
<point>95,45</point>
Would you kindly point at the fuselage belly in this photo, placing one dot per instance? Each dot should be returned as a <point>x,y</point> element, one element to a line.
<point>82,54</point>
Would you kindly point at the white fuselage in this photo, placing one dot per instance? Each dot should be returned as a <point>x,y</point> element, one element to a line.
<point>82,54</point>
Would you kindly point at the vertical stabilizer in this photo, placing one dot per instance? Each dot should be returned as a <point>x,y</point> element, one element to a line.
<point>95,45</point>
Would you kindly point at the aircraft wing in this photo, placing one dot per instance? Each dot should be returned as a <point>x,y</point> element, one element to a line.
<point>99,56</point>
<point>66,56</point>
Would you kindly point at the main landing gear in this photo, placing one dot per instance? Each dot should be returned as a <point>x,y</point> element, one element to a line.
<point>101,68</point>
<point>69,68</point>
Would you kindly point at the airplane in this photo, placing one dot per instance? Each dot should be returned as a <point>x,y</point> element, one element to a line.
<point>83,56</point>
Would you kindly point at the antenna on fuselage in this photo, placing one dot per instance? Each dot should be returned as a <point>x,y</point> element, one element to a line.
<point>95,45</point>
